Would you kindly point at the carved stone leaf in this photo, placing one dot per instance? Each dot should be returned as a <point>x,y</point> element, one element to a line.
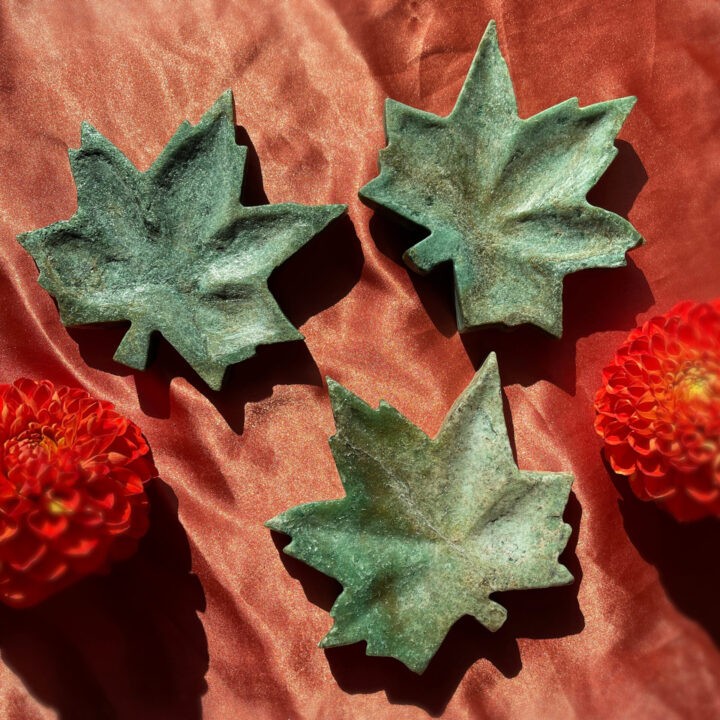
<point>429,528</point>
<point>172,249</point>
<point>502,197</point>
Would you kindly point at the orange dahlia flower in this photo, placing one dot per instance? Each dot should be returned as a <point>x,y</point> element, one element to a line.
<point>71,488</point>
<point>658,410</point>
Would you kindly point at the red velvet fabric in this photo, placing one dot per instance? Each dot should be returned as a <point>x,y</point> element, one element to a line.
<point>210,619</point>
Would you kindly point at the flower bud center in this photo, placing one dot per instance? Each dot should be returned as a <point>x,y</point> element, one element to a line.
<point>56,507</point>
<point>697,382</point>
<point>33,442</point>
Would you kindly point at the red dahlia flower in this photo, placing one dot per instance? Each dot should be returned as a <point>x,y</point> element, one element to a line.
<point>71,488</point>
<point>659,410</point>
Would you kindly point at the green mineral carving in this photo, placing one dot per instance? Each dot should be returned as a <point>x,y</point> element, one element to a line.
<point>502,197</point>
<point>429,528</point>
<point>172,249</point>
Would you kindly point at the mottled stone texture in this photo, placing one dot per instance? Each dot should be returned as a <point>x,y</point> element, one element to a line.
<point>172,249</point>
<point>503,198</point>
<point>429,528</point>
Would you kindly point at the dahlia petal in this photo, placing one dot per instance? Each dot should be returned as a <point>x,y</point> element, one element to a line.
<point>708,324</point>
<point>129,447</point>
<point>26,388</point>
<point>641,424</point>
<point>652,465</point>
<point>665,430</point>
<point>15,598</point>
<point>608,375</point>
<point>647,406</point>
<point>47,525</point>
<point>49,570</point>
<point>120,513</point>
<point>683,464</point>
<point>658,487</point>
<point>90,518</point>
<point>617,384</point>
<point>7,489</point>
<point>102,496</point>
<point>26,552</point>
<point>16,507</point>
<point>115,458</point>
<point>88,406</point>
<point>637,485</point>
<point>615,433</point>
<point>622,459</point>
<point>667,446</point>
<point>104,441</point>
<point>94,468</point>
<point>600,423</point>
<point>40,395</point>
<point>637,390</point>
<point>134,485</point>
<point>639,346</point>
<point>664,385</point>
<point>129,480</point>
<point>673,348</point>
<point>703,496</point>
<point>685,509</point>
<point>623,409</point>
<point>47,474</point>
<point>687,334</point>
<point>78,546</point>
<point>633,368</point>
<point>144,466</point>
<point>71,487</point>
<point>692,438</point>
<point>8,529</point>
<point>641,444</point>
<point>650,363</point>
<point>699,455</point>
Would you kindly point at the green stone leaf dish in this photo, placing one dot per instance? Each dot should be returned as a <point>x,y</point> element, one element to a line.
<point>172,250</point>
<point>429,528</point>
<point>502,197</point>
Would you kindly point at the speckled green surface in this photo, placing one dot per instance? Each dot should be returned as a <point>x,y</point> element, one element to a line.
<point>503,198</point>
<point>429,528</point>
<point>172,249</point>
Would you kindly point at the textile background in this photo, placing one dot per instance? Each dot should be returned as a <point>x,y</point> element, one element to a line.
<point>210,619</point>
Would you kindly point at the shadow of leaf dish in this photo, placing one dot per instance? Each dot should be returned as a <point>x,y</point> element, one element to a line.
<point>249,381</point>
<point>316,277</point>
<point>432,531</point>
<point>594,300</point>
<point>683,553</point>
<point>127,646</point>
<point>503,198</point>
<point>544,613</point>
<point>172,250</point>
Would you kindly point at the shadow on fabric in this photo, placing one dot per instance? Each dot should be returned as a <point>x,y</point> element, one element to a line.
<point>593,300</point>
<point>546,613</point>
<point>316,277</point>
<point>126,646</point>
<point>684,554</point>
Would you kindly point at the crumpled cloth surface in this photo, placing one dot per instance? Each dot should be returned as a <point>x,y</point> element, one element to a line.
<point>210,619</point>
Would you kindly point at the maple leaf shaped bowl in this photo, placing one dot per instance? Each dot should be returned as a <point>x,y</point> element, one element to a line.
<point>172,250</point>
<point>504,198</point>
<point>429,528</point>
